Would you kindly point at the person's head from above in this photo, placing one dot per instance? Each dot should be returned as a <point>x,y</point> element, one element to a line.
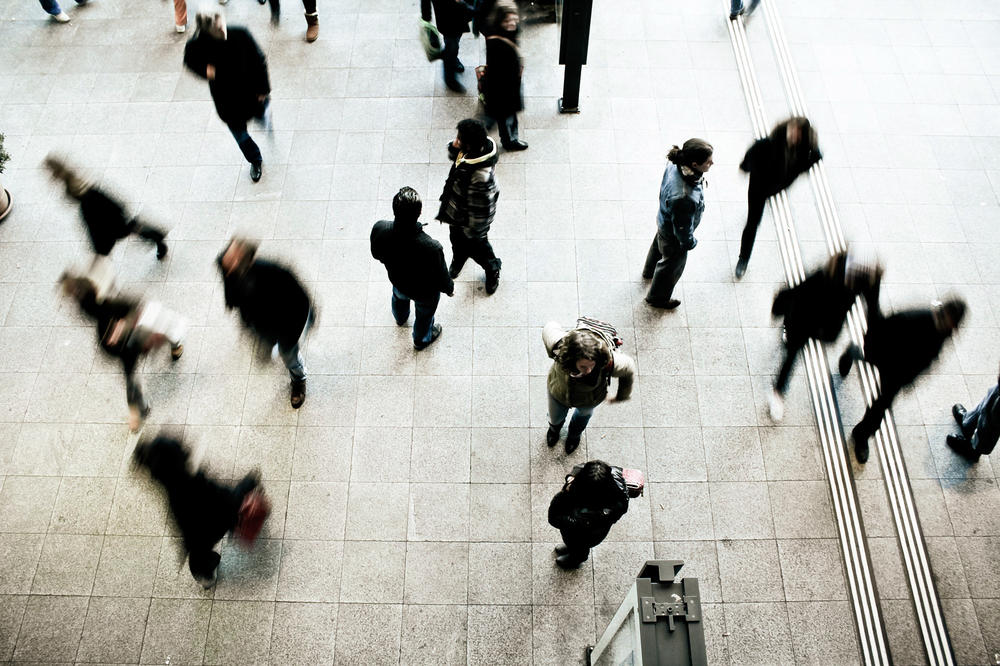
<point>948,315</point>
<point>596,483</point>
<point>75,184</point>
<point>505,16</point>
<point>211,21</point>
<point>797,129</point>
<point>695,156</point>
<point>76,287</point>
<point>238,255</point>
<point>406,205</point>
<point>471,137</point>
<point>580,353</point>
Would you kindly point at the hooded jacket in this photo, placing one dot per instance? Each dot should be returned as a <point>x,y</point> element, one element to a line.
<point>270,299</point>
<point>415,261</point>
<point>240,72</point>
<point>469,198</point>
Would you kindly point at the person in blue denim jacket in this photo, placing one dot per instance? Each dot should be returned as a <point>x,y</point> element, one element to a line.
<point>681,205</point>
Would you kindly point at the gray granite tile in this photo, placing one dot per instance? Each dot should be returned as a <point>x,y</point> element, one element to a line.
<point>732,520</point>
<point>373,570</point>
<point>368,633</point>
<point>700,561</point>
<point>438,512</point>
<point>316,511</point>
<point>51,628</point>
<point>247,574</point>
<point>758,633</point>
<point>310,571</point>
<point>499,634</point>
<point>437,573</point>
<point>176,629</point>
<point>20,552</point>
<point>822,632</point>
<point>801,509</point>
<point>67,564</point>
<point>377,511</point>
<point>811,570</point>
<point>500,573</point>
<point>681,511</point>
<point>500,512</point>
<point>82,506</point>
<point>239,631</point>
<point>127,566</point>
<point>113,630</point>
<point>303,633</point>
<point>750,571</point>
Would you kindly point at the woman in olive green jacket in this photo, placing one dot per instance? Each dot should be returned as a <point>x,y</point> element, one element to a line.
<point>580,378</point>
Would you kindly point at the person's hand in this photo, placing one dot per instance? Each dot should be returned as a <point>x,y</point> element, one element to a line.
<point>210,72</point>
<point>455,144</point>
<point>450,293</point>
<point>261,98</point>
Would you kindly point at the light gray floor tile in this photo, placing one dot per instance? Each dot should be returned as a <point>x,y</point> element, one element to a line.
<point>372,570</point>
<point>378,511</point>
<point>51,628</point>
<point>83,505</point>
<point>67,564</point>
<point>316,511</point>
<point>368,633</point>
<point>499,634</point>
<point>239,631</point>
<point>113,630</point>
<point>729,510</point>
<point>438,512</point>
<point>21,553</point>
<point>758,633</point>
<point>500,573</point>
<point>500,512</point>
<point>127,566</point>
<point>303,633</point>
<point>176,629</point>
<point>310,571</point>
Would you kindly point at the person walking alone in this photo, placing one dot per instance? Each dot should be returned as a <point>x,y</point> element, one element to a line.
<point>590,502</point>
<point>980,427</point>
<point>452,17</point>
<point>682,201</point>
<point>503,75</point>
<point>236,71</point>
<point>774,163</point>
<point>469,201</point>
<point>416,266</point>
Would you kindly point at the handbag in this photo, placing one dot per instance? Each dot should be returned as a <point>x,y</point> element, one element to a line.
<point>431,40</point>
<point>253,512</point>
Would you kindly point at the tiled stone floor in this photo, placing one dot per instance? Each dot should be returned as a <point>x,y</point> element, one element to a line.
<point>411,489</point>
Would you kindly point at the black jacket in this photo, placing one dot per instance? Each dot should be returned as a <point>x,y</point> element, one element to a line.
<point>902,345</point>
<point>584,525</point>
<point>106,313</point>
<point>452,17</point>
<point>240,72</point>
<point>415,261</point>
<point>772,167</point>
<point>815,308</point>
<point>503,77</point>
<point>106,220</point>
<point>271,301</point>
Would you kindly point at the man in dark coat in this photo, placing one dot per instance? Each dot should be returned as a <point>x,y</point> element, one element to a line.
<point>106,219</point>
<point>816,308</point>
<point>593,499</point>
<point>272,303</point>
<point>452,18</point>
<point>980,427</point>
<point>237,78</point>
<point>503,75</point>
<point>416,266</point>
<point>774,163</point>
<point>900,346</point>
<point>469,200</point>
<point>204,510</point>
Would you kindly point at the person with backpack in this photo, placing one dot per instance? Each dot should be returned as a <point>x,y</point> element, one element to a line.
<point>594,498</point>
<point>469,200</point>
<point>503,75</point>
<point>416,266</point>
<point>774,163</point>
<point>682,201</point>
<point>585,360</point>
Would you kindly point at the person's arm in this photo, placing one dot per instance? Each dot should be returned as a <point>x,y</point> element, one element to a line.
<point>624,370</point>
<point>683,221</point>
<point>447,284</point>
<point>551,334</point>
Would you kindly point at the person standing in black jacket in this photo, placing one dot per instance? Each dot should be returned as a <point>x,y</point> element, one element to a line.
<point>503,75</point>
<point>106,219</point>
<point>236,71</point>
<point>272,303</point>
<point>416,266</point>
<point>452,17</point>
<point>590,502</point>
<point>901,346</point>
<point>774,163</point>
<point>816,308</point>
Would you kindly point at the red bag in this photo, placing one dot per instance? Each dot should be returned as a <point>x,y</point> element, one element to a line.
<point>253,512</point>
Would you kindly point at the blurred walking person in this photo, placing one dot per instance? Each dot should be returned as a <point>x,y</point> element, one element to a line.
<point>452,18</point>
<point>682,201</point>
<point>469,201</point>
<point>272,303</point>
<point>774,163</point>
<point>901,346</point>
<point>236,70</point>
<point>503,74</point>
<point>980,427</point>
<point>416,266</point>
<point>204,509</point>
<point>817,308</point>
<point>590,502</point>
<point>127,329</point>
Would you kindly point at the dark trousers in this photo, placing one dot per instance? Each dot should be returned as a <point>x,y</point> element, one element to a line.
<point>308,5</point>
<point>479,250</point>
<point>665,263</point>
<point>977,428</point>
<point>756,200</point>
<point>149,233</point>
<point>133,393</point>
<point>249,148</point>
<point>508,129</point>
<point>449,57</point>
<point>202,558</point>
<point>575,551</point>
<point>423,322</point>
<point>792,349</point>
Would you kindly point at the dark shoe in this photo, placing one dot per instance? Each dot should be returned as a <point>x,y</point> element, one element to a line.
<point>459,67</point>
<point>665,305</point>
<point>741,268</point>
<point>958,411</point>
<point>493,278</point>
<point>551,436</point>
<point>161,251</point>
<point>454,85</point>
<point>860,445</point>
<point>515,146</point>
<point>298,393</point>
<point>435,334</point>
<point>565,562</point>
<point>847,360</point>
<point>312,27</point>
<point>255,171</point>
<point>562,549</point>
<point>572,443</point>
<point>962,447</point>
<point>176,352</point>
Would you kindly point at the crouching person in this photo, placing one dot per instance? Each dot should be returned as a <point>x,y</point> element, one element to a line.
<point>204,510</point>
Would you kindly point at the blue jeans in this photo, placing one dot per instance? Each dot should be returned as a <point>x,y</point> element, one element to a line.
<point>577,424</point>
<point>979,424</point>
<point>52,6</point>
<point>449,57</point>
<point>423,322</point>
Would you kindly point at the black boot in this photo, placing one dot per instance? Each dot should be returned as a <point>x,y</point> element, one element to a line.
<point>860,444</point>
<point>493,276</point>
<point>962,447</point>
<point>552,436</point>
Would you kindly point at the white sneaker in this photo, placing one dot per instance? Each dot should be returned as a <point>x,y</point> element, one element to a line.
<point>180,28</point>
<point>61,17</point>
<point>776,405</point>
